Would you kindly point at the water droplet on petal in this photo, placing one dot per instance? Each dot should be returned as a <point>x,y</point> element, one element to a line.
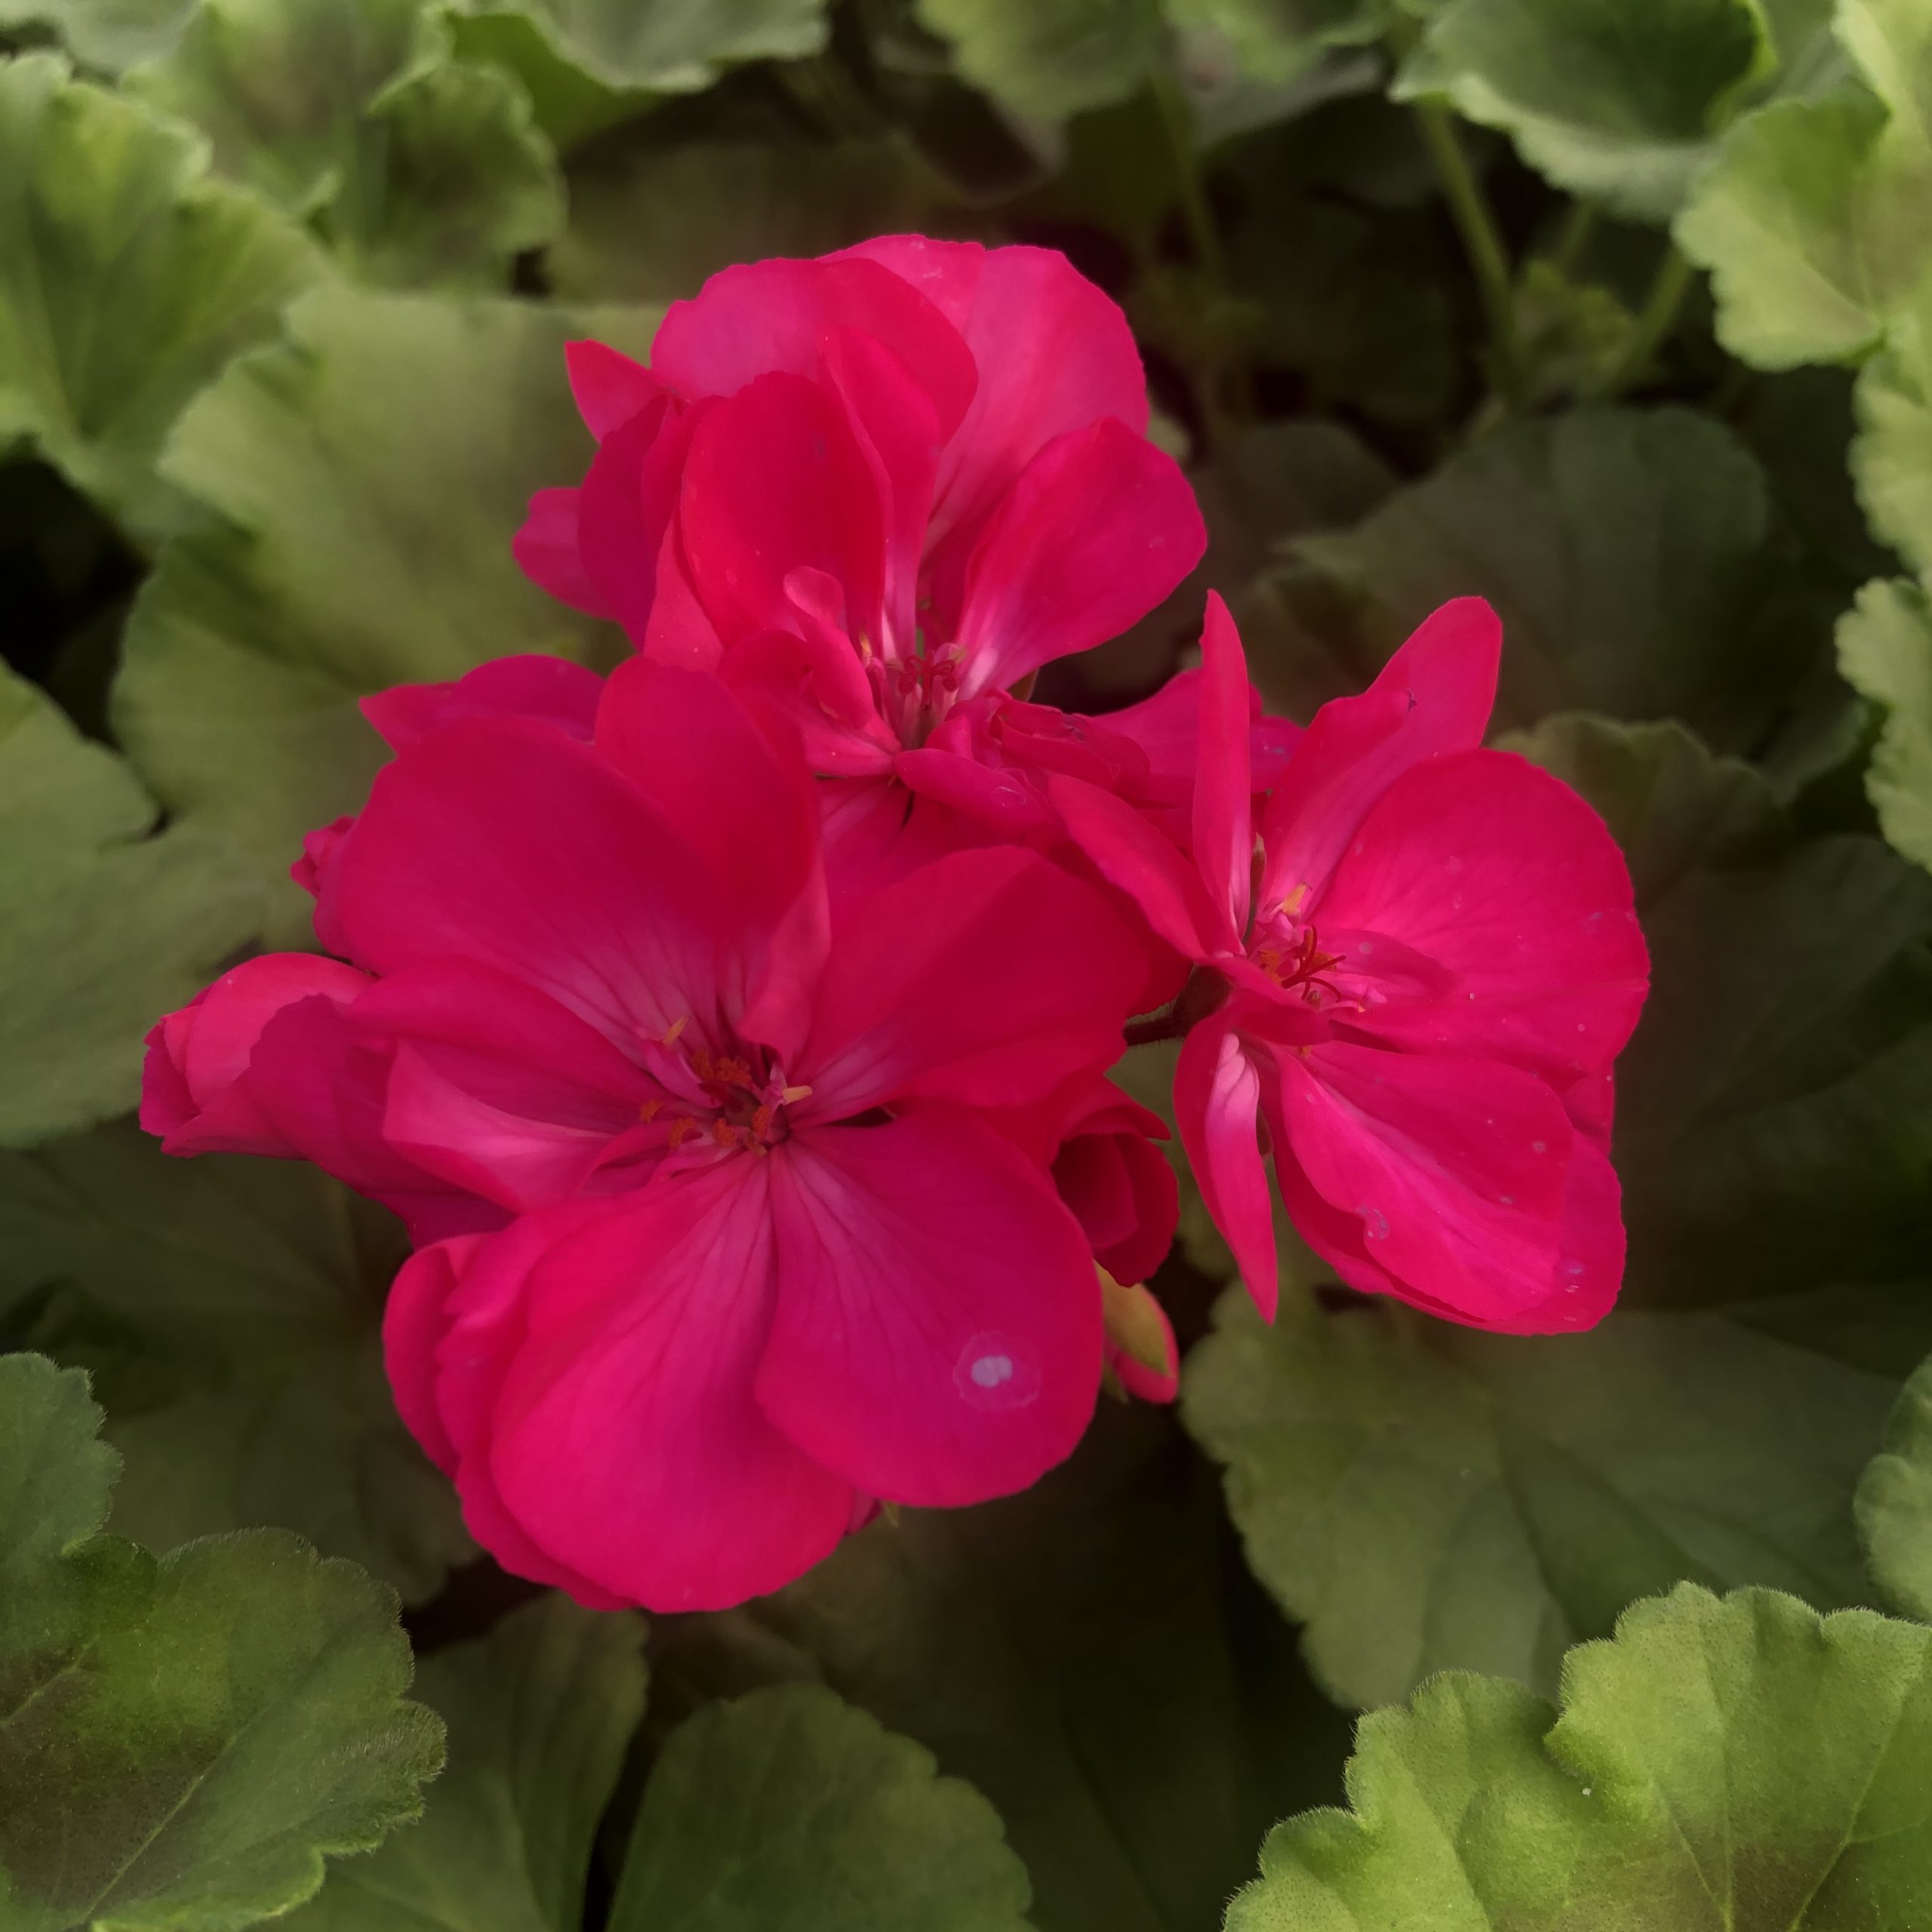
<point>1538,1146</point>
<point>1506,1199</point>
<point>1375,1223</point>
<point>995,1372</point>
<point>1366,948</point>
<point>1573,1267</point>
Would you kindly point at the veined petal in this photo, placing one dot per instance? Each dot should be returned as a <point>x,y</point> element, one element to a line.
<point>624,1436</point>
<point>502,842</point>
<point>988,976</point>
<point>756,316</point>
<point>1435,695</point>
<point>1217,1104</point>
<point>1224,828</point>
<point>1134,858</point>
<point>937,1333</point>
<point>551,690</point>
<point>609,387</point>
<point>1096,530</point>
<point>1500,873</point>
<point>549,550</point>
<point>1457,1170</point>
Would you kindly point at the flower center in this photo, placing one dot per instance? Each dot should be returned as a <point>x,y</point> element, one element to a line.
<point>727,1099</point>
<point>1290,954</point>
<point>914,693</point>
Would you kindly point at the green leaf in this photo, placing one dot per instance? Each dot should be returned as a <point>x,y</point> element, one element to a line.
<point>111,34</point>
<point>127,281</point>
<point>1736,1766</point>
<point>1633,555</point>
<point>1615,103</point>
<point>539,1714</point>
<point>352,559</point>
<point>1426,1496</point>
<point>419,167</point>
<point>182,1741</point>
<point>1278,42</point>
<point>649,224</point>
<point>1066,1650</point>
<point>1814,221</point>
<point>1891,457</point>
<point>1048,59</point>
<point>105,928</point>
<point>1885,652</point>
<point>789,1811</point>
<point>230,1309</point>
<point>1894,1504</point>
<point>671,46</point>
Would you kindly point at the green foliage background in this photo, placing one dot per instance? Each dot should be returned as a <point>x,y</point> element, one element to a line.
<point>1620,316</point>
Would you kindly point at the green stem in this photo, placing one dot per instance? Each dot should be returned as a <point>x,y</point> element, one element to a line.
<point>1177,125</point>
<point>1469,209</point>
<point>1573,236</point>
<point>1654,323</point>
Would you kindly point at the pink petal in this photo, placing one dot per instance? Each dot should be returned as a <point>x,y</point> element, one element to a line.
<point>199,1092</point>
<point>937,1333</point>
<point>898,433</point>
<point>748,811</point>
<point>625,1439</point>
<point>609,388</point>
<point>758,317</point>
<point>878,832</point>
<point>494,1086</point>
<point>1005,800</point>
<point>1217,1103</point>
<point>454,1322</point>
<point>1498,872</point>
<point>1125,1196</point>
<point>325,1086</point>
<point>776,482</point>
<point>501,842</point>
<point>1100,527</point>
<point>547,551</point>
<point>1223,829</point>
<point>1456,1170</point>
<point>1167,727</point>
<point>1135,859</point>
<point>625,507</point>
<point>551,690</point>
<point>1054,353</point>
<point>1435,695</point>
<point>987,977</point>
<point>812,676</point>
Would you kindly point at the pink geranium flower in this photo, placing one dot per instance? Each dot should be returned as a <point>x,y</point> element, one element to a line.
<point>744,1252</point>
<point>886,488</point>
<point>1420,985</point>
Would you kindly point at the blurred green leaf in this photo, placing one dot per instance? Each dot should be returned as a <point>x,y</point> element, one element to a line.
<point>230,1311</point>
<point>111,34</point>
<point>539,1714</point>
<point>1734,1766</point>
<point>671,46</point>
<point>1347,305</point>
<point>127,281</point>
<point>1619,104</point>
<point>789,1811</point>
<point>1885,652</point>
<point>1894,1504</point>
<point>1048,59</point>
<point>419,167</point>
<point>650,224</point>
<point>371,471</point>
<point>182,1740</point>
<point>105,927</point>
<point>1066,1650</point>
<point>1279,41</point>
<point>1816,221</point>
<point>1634,556</point>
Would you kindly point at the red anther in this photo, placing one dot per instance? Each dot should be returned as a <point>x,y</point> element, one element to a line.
<point>680,1128</point>
<point>761,1120</point>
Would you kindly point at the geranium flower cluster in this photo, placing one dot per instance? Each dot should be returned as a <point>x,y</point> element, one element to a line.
<point>733,1034</point>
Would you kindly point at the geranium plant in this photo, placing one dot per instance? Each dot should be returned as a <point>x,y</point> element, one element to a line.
<point>914,915</point>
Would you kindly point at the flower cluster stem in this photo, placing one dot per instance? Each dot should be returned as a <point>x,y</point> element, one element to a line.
<point>1654,323</point>
<point>1482,242</point>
